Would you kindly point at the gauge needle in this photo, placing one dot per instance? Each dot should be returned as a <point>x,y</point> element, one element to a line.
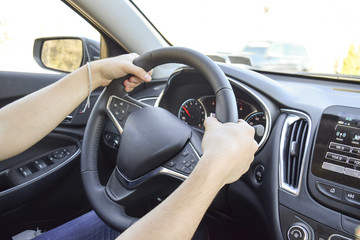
<point>187,112</point>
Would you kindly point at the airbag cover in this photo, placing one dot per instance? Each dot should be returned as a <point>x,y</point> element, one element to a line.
<point>151,137</point>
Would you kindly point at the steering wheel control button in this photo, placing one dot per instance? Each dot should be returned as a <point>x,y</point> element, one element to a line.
<point>119,108</point>
<point>112,140</point>
<point>330,191</point>
<point>297,232</point>
<point>185,152</point>
<point>170,164</point>
<point>259,172</point>
<point>184,162</point>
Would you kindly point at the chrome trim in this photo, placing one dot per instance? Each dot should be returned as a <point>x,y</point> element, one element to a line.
<point>337,235</point>
<point>159,98</point>
<point>158,171</point>
<point>292,117</point>
<point>265,110</point>
<point>148,99</point>
<point>111,115</point>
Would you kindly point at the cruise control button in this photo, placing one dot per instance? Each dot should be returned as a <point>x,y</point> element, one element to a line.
<point>330,191</point>
<point>351,198</point>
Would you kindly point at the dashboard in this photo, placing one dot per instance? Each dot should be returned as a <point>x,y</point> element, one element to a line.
<point>191,99</point>
<point>305,178</point>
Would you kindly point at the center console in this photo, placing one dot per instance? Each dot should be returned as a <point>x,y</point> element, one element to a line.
<point>334,176</point>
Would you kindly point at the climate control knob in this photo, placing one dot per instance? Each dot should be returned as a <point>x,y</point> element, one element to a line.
<point>298,232</point>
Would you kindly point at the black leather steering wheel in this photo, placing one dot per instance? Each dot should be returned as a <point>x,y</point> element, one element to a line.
<point>152,139</point>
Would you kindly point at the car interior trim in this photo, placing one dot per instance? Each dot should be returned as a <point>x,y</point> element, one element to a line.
<point>158,171</point>
<point>148,99</point>
<point>265,109</point>
<point>337,236</point>
<point>32,180</point>
<point>111,115</point>
<point>292,117</point>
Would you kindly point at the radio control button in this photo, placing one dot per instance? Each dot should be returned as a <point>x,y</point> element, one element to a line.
<point>354,161</point>
<point>333,167</point>
<point>356,150</point>
<point>330,191</point>
<point>352,172</point>
<point>336,157</point>
<point>351,198</point>
<point>340,147</point>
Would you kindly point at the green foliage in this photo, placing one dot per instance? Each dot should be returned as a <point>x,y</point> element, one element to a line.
<point>351,64</point>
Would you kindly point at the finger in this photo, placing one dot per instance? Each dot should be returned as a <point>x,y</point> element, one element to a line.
<point>129,86</point>
<point>135,80</point>
<point>210,122</point>
<point>137,71</point>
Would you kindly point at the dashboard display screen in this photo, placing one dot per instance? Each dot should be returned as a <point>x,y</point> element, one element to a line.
<point>337,148</point>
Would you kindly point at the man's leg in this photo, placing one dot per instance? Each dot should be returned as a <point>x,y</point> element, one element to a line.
<point>88,226</point>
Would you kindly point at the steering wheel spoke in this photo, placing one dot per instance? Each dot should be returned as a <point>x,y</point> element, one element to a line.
<point>184,162</point>
<point>119,109</point>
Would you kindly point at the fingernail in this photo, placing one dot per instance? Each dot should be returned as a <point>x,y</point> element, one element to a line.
<point>147,77</point>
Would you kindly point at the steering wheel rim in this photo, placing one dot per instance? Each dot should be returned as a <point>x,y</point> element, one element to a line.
<point>226,111</point>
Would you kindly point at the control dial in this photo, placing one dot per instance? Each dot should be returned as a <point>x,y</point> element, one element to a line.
<point>298,232</point>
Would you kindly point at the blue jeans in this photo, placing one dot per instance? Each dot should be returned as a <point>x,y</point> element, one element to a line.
<point>90,227</point>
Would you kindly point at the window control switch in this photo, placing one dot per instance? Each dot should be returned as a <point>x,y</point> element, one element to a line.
<point>40,164</point>
<point>24,171</point>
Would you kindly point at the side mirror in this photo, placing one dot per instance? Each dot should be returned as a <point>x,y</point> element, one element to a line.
<point>65,54</point>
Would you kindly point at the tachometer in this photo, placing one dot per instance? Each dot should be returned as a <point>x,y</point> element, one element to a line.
<point>192,112</point>
<point>258,120</point>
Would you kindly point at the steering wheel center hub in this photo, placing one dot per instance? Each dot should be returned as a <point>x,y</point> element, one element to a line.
<point>151,137</point>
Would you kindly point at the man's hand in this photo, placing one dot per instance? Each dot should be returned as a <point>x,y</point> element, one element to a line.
<point>228,149</point>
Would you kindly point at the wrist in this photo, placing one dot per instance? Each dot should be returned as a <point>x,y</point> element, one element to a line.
<point>208,172</point>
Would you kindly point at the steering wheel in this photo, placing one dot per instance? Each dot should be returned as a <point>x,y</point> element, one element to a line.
<point>154,142</point>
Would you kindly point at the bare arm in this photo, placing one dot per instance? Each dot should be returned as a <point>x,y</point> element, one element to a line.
<point>228,151</point>
<point>26,121</point>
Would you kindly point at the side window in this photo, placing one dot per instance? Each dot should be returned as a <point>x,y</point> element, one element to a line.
<point>23,21</point>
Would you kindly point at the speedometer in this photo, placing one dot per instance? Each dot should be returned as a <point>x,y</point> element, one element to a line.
<point>192,112</point>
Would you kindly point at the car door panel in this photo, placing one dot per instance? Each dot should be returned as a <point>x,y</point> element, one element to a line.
<point>59,151</point>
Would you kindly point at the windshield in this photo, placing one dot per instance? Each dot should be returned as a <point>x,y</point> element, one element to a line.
<point>299,36</point>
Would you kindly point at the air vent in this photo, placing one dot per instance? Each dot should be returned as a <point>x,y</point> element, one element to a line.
<point>294,142</point>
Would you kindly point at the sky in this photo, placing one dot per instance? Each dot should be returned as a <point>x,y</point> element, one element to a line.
<point>326,28</point>
<point>19,27</point>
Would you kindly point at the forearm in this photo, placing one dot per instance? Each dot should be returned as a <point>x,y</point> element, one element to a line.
<point>26,121</point>
<point>180,214</point>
